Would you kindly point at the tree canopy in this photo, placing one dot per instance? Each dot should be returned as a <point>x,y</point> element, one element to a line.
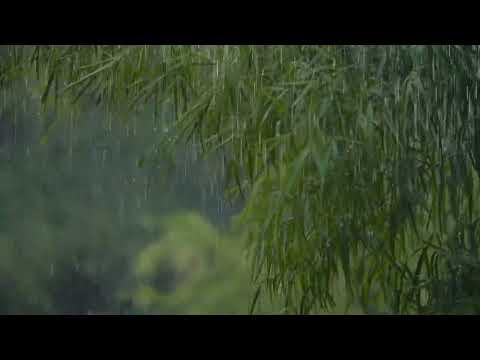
<point>356,163</point>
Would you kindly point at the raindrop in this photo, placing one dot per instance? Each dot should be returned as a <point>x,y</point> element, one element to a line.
<point>15,128</point>
<point>277,128</point>
<point>104,157</point>
<point>241,151</point>
<point>415,116</point>
<point>222,168</point>
<point>433,70</point>
<point>265,155</point>
<point>212,188</point>
<point>139,202</point>
<point>146,189</point>
<point>52,270</point>
<point>220,206</point>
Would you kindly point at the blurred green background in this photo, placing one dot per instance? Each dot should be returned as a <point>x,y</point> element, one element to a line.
<point>88,227</point>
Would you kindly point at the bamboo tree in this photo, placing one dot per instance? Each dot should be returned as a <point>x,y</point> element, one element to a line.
<point>357,163</point>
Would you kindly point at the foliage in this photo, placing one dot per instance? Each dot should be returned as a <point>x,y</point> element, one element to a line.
<point>192,268</point>
<point>357,162</point>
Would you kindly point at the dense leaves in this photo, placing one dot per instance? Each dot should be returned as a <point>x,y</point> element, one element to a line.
<point>358,163</point>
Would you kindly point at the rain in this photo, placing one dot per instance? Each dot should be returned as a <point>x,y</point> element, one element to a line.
<point>98,214</point>
<point>191,179</point>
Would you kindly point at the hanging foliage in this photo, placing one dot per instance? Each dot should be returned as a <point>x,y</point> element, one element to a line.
<point>358,163</point>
